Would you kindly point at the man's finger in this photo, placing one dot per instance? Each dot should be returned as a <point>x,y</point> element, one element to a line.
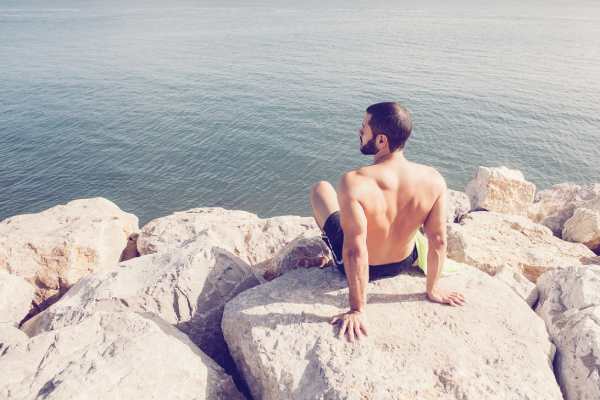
<point>363,327</point>
<point>334,320</point>
<point>458,299</point>
<point>351,331</point>
<point>357,331</point>
<point>343,328</point>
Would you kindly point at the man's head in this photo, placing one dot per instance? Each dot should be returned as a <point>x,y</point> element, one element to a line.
<point>385,126</point>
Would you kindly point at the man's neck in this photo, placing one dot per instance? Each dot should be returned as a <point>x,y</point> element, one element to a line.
<point>385,155</point>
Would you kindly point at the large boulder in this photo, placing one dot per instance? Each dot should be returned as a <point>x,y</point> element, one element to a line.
<point>112,356</point>
<point>53,249</point>
<point>15,298</point>
<point>187,288</point>
<point>281,338</point>
<point>570,305</point>
<point>554,206</point>
<point>490,241</point>
<point>501,190</point>
<point>457,205</point>
<point>244,234</point>
<point>584,225</point>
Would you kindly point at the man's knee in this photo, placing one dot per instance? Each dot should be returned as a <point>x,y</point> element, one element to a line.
<point>321,188</point>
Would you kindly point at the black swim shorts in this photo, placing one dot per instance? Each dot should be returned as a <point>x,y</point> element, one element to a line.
<point>334,237</point>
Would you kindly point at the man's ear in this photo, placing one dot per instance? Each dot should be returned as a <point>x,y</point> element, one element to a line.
<point>381,140</point>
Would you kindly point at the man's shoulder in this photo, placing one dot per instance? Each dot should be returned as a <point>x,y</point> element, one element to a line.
<point>354,182</point>
<point>431,176</point>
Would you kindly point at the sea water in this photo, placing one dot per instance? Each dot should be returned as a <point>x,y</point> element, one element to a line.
<point>165,106</point>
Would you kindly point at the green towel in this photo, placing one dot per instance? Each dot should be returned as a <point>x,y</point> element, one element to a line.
<point>450,266</point>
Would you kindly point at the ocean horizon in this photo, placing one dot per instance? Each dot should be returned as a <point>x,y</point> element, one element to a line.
<point>161,108</point>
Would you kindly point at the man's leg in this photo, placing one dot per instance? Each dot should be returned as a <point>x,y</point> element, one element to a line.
<point>323,199</point>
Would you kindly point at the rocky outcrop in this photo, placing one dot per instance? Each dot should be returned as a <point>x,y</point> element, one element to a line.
<point>501,190</point>
<point>584,225</point>
<point>554,206</point>
<point>490,241</point>
<point>245,235</point>
<point>112,356</point>
<point>280,336</point>
<point>570,305</point>
<point>15,298</point>
<point>457,205</point>
<point>53,249</point>
<point>187,288</point>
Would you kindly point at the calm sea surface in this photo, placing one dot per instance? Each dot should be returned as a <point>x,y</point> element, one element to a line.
<point>165,106</point>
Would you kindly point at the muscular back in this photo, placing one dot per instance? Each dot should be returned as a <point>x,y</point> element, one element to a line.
<point>397,197</point>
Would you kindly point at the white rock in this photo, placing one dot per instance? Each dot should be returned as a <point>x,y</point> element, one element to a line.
<point>501,190</point>
<point>281,338</point>
<point>11,336</point>
<point>53,249</point>
<point>519,284</point>
<point>112,356</point>
<point>554,206</point>
<point>253,239</point>
<point>16,295</point>
<point>187,288</point>
<point>570,305</point>
<point>584,225</point>
<point>457,205</point>
<point>490,241</point>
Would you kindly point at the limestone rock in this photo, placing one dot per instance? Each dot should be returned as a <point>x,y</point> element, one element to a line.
<point>187,288</point>
<point>16,295</point>
<point>501,190</point>
<point>554,206</point>
<point>112,356</point>
<point>11,336</point>
<point>53,249</point>
<point>584,225</point>
<point>281,338</point>
<point>244,234</point>
<point>519,284</point>
<point>302,252</point>
<point>490,241</point>
<point>457,205</point>
<point>570,305</point>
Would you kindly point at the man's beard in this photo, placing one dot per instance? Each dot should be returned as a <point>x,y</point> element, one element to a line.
<point>369,149</point>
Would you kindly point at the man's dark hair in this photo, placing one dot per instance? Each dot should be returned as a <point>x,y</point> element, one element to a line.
<point>392,120</point>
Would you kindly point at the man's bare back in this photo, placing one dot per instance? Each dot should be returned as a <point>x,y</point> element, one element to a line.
<point>380,209</point>
<point>397,196</point>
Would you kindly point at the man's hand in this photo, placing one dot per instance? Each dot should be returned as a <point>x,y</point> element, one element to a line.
<point>446,297</point>
<point>352,322</point>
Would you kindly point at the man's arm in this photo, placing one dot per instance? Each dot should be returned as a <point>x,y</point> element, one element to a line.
<point>354,253</point>
<point>355,256</point>
<point>435,229</point>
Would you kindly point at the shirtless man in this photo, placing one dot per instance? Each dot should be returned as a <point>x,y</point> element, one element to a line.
<point>371,222</point>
